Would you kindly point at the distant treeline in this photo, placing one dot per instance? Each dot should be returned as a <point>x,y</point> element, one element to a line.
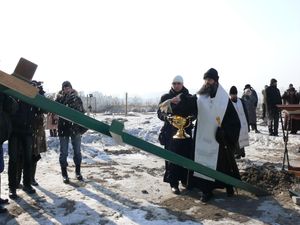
<point>96,102</point>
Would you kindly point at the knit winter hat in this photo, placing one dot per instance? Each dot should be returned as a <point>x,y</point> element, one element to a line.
<point>273,81</point>
<point>247,86</point>
<point>233,90</point>
<point>211,73</point>
<point>178,79</point>
<point>66,84</point>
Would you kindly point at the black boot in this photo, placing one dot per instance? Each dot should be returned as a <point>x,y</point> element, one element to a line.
<point>174,188</point>
<point>13,194</point>
<point>33,181</point>
<point>64,174</point>
<point>78,174</point>
<point>3,201</point>
<point>206,196</point>
<point>29,189</point>
<point>229,191</point>
<point>255,129</point>
<point>2,209</point>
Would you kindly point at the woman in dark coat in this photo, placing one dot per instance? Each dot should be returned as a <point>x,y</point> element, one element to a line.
<point>183,147</point>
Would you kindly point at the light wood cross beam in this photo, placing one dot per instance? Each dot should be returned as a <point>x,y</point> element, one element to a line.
<point>25,71</point>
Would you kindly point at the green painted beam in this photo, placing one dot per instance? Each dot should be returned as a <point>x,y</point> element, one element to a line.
<point>88,122</point>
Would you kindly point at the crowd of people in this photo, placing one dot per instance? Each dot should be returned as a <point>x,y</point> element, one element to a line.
<point>221,131</point>
<point>23,126</point>
<point>216,139</point>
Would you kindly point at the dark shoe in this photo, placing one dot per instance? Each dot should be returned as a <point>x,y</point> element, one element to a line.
<point>78,174</point>
<point>206,196</point>
<point>3,201</point>
<point>66,180</point>
<point>175,190</point>
<point>257,131</point>
<point>34,183</point>
<point>79,177</point>
<point>29,189</point>
<point>64,174</point>
<point>13,194</point>
<point>229,191</point>
<point>3,210</point>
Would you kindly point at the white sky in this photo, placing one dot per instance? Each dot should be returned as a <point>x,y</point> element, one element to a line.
<point>138,46</point>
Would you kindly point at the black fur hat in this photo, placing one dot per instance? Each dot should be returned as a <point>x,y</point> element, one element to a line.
<point>66,84</point>
<point>233,90</point>
<point>211,73</point>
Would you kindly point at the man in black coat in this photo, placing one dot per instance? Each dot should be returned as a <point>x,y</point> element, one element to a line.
<point>20,149</point>
<point>68,130</point>
<point>216,134</point>
<point>273,98</point>
<point>183,147</point>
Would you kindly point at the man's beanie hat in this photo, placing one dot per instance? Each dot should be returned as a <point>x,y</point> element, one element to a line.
<point>273,81</point>
<point>211,73</point>
<point>247,86</point>
<point>66,84</point>
<point>178,79</point>
<point>233,90</point>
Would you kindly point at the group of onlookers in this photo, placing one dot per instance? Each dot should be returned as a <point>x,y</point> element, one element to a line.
<point>23,126</point>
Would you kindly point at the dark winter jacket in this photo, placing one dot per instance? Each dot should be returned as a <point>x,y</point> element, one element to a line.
<point>273,98</point>
<point>289,98</point>
<point>23,118</point>
<point>7,107</point>
<point>180,109</point>
<point>72,100</point>
<point>253,92</point>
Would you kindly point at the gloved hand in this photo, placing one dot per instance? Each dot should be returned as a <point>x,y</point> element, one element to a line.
<point>220,136</point>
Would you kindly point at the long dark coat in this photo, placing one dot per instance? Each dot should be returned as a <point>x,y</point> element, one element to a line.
<point>250,103</point>
<point>226,162</point>
<point>273,98</point>
<point>183,147</point>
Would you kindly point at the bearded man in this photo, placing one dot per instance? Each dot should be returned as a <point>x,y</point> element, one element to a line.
<point>216,134</point>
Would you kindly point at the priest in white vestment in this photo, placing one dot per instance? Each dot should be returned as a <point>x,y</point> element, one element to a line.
<point>216,133</point>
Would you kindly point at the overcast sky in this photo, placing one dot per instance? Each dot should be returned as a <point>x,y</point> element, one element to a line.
<point>138,46</point>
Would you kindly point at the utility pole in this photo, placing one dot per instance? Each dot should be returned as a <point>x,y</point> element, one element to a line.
<point>126,103</point>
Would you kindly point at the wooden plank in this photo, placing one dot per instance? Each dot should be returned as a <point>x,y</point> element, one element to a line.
<point>18,85</point>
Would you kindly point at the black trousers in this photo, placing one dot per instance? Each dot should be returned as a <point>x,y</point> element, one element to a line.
<point>20,157</point>
<point>273,122</point>
<point>174,173</point>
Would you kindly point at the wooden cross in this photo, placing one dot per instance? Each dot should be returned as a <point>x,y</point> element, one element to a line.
<point>19,80</point>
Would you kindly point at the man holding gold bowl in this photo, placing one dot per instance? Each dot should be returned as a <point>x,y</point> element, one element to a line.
<point>176,132</point>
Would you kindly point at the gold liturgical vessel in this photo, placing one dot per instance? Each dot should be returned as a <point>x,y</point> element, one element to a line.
<point>180,123</point>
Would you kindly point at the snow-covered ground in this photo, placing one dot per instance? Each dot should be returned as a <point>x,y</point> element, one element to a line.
<point>123,185</point>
